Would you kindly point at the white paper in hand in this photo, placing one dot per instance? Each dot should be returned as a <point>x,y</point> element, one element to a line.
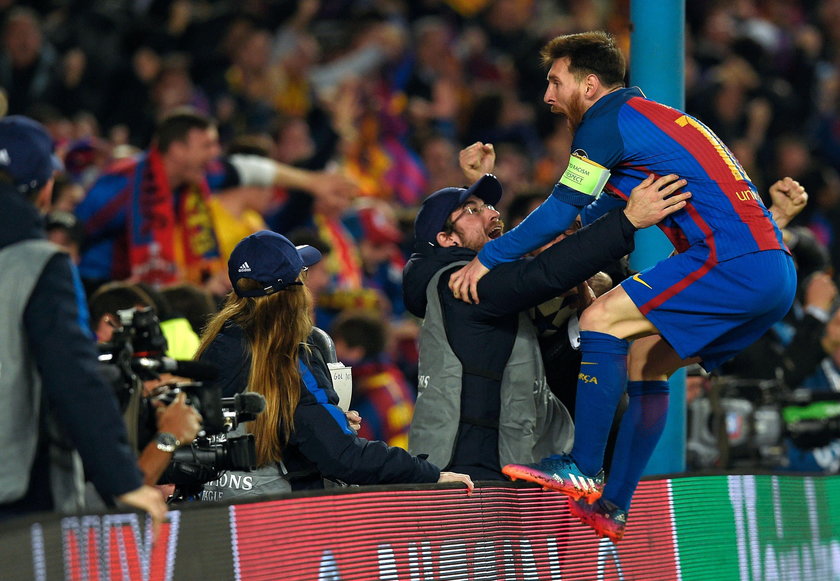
<point>342,380</point>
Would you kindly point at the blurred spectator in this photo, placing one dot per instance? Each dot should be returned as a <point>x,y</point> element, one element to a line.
<point>193,302</point>
<point>823,455</point>
<point>147,217</point>
<point>256,84</point>
<point>439,154</point>
<point>238,209</point>
<point>380,392</point>
<point>131,86</point>
<point>84,160</point>
<point>499,118</point>
<point>510,32</point>
<point>173,88</point>
<point>514,169</point>
<point>137,214</point>
<point>435,80</point>
<point>28,62</point>
<point>378,239</point>
<point>790,350</point>
<point>75,88</point>
<point>822,216</point>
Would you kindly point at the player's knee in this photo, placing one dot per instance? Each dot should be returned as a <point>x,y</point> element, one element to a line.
<point>647,371</point>
<point>596,317</point>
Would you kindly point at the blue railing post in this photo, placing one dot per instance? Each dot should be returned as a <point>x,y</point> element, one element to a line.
<point>657,53</point>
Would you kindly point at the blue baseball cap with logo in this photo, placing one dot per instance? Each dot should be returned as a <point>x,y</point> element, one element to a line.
<point>436,209</point>
<point>270,259</point>
<point>26,153</point>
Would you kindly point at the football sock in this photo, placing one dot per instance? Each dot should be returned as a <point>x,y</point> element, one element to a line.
<point>601,381</point>
<point>641,427</point>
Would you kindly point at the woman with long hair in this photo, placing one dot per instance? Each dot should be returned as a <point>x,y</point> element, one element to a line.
<point>260,340</point>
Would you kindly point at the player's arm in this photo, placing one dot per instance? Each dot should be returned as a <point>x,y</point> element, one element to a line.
<point>540,227</point>
<point>600,207</point>
<point>581,182</point>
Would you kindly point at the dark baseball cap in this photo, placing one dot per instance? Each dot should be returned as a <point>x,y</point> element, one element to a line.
<point>26,153</point>
<point>436,209</point>
<point>270,259</point>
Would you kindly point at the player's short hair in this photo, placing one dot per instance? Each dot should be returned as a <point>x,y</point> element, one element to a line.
<point>588,53</point>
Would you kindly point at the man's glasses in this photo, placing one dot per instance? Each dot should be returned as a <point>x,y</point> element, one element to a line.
<point>471,209</point>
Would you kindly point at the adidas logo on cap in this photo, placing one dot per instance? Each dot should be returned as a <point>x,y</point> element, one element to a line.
<point>244,267</point>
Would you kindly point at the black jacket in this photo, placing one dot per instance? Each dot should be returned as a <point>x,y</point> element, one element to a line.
<point>482,335</point>
<point>322,443</point>
<point>73,388</point>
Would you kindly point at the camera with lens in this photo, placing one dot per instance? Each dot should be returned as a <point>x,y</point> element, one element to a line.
<point>747,423</point>
<point>736,424</point>
<point>136,354</point>
<point>130,356</point>
<point>216,450</point>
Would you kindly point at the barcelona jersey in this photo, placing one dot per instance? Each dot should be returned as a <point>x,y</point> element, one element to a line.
<point>634,137</point>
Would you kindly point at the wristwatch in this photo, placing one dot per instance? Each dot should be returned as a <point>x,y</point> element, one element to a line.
<point>166,442</point>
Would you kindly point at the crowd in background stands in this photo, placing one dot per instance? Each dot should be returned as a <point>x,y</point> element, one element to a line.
<point>387,92</point>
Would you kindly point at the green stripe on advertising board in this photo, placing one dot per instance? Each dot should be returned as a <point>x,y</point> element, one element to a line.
<point>753,527</point>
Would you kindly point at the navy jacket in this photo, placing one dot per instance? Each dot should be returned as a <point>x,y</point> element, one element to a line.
<point>73,389</point>
<point>482,335</point>
<point>322,443</point>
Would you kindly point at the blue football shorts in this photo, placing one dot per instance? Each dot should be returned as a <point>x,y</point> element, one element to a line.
<point>714,309</point>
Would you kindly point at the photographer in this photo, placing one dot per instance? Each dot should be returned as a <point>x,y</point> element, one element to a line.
<point>260,339</point>
<point>55,403</point>
<point>123,320</point>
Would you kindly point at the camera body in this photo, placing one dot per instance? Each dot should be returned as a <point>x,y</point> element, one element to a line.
<point>216,450</point>
<point>136,354</point>
<point>751,423</point>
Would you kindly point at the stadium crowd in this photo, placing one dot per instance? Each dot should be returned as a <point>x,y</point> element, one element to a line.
<point>329,121</point>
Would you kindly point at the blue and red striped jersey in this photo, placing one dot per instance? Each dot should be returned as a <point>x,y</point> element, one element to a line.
<point>634,137</point>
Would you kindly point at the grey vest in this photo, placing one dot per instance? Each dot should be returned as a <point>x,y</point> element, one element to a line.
<point>533,423</point>
<point>20,387</point>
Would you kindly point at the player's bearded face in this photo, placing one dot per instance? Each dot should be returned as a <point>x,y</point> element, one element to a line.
<point>565,92</point>
<point>575,111</point>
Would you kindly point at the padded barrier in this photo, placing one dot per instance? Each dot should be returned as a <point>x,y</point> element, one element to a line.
<point>694,527</point>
